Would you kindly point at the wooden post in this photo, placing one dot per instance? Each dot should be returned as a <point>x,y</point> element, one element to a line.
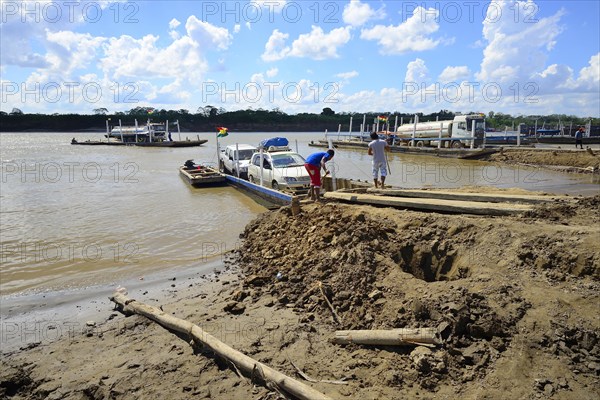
<point>295,206</point>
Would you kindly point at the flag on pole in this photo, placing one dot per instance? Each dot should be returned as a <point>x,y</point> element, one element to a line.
<point>222,132</point>
<point>382,118</point>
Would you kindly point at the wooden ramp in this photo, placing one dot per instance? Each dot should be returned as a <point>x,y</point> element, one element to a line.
<point>431,204</point>
<point>464,196</point>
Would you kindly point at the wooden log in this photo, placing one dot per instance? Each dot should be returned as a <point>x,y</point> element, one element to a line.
<point>393,337</point>
<point>245,364</point>
<point>439,205</point>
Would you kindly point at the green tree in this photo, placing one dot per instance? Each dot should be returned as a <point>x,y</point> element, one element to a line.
<point>100,111</point>
<point>327,112</point>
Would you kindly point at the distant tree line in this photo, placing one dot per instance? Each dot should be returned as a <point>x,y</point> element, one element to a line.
<point>208,118</point>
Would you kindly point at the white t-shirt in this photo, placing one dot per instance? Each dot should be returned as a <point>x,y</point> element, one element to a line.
<point>378,149</point>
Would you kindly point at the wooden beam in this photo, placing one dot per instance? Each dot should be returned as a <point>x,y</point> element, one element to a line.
<point>486,197</point>
<point>439,205</point>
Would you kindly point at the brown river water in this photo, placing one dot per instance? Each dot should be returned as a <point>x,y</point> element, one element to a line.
<point>73,217</point>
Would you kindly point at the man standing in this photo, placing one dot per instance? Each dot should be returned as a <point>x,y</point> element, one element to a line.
<point>313,165</point>
<point>377,149</point>
<point>579,137</point>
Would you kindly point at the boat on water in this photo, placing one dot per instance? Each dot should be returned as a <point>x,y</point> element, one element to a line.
<point>166,143</point>
<point>152,134</point>
<point>201,175</point>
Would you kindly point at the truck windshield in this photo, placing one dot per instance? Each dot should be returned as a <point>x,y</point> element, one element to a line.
<point>287,160</point>
<point>478,124</point>
<point>245,154</point>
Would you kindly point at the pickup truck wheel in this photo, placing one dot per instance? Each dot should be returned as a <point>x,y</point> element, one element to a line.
<point>275,185</point>
<point>251,179</point>
<point>456,144</point>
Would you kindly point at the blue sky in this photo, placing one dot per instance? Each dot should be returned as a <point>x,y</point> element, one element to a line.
<point>515,57</point>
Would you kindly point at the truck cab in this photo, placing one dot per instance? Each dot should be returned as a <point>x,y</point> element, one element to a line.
<point>462,129</point>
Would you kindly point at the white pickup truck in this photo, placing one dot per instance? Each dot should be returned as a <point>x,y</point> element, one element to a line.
<point>231,163</point>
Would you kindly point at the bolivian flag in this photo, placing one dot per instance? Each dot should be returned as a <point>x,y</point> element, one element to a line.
<point>382,118</point>
<point>222,132</point>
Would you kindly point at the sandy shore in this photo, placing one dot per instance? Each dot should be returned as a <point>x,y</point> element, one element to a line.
<point>515,300</point>
<point>567,160</point>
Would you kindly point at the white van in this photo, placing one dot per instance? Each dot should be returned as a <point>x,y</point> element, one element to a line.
<point>231,163</point>
<point>282,170</point>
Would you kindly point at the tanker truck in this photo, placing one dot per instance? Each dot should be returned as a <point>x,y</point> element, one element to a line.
<point>454,133</point>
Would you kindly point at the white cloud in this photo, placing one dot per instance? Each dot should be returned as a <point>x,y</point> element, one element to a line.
<point>416,71</point>
<point>453,74</point>
<point>411,35</point>
<point>257,78</point>
<point>206,35</point>
<point>70,50</point>
<point>357,13</point>
<point>319,45</point>
<point>275,48</point>
<point>237,28</point>
<point>272,72</point>
<point>589,77</point>
<point>126,57</point>
<point>316,45</point>
<point>347,75</point>
<point>174,23</point>
<point>516,46</point>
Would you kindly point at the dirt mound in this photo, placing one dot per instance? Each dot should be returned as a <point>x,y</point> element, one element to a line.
<point>383,268</point>
<point>579,161</point>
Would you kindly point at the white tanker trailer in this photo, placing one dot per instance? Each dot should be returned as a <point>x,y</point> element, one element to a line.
<point>454,133</point>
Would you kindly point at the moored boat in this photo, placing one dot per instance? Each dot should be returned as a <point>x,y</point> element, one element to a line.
<point>201,175</point>
<point>152,134</point>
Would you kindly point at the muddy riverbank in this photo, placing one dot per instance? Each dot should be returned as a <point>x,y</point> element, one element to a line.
<point>515,300</point>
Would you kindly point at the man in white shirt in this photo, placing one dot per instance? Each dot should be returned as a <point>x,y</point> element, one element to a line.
<point>377,149</point>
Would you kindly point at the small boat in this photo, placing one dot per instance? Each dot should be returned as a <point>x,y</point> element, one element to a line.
<point>201,175</point>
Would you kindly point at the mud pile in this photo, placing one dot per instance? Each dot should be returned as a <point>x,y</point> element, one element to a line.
<point>384,268</point>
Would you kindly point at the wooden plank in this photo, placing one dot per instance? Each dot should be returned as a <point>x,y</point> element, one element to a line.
<point>439,205</point>
<point>487,197</point>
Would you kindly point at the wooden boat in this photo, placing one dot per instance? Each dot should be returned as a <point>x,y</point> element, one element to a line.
<point>201,175</point>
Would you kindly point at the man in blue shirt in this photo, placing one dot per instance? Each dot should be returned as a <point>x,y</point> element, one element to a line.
<point>313,165</point>
<point>579,137</point>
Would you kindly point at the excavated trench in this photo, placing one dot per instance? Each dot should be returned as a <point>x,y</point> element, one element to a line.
<point>431,264</point>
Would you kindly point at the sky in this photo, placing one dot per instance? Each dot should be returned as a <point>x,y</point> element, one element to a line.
<point>514,57</point>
